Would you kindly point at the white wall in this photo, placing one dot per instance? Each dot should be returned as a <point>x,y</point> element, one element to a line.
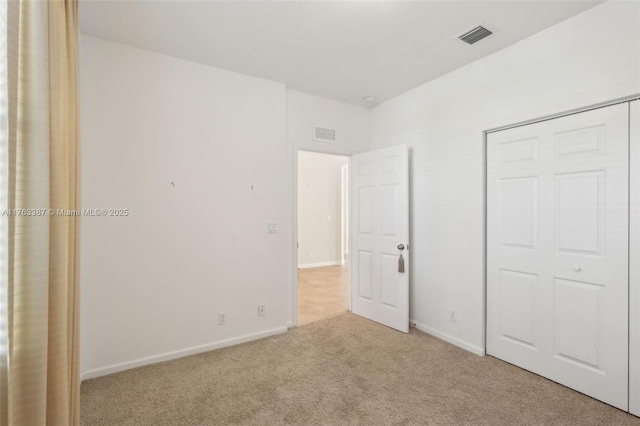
<point>319,208</point>
<point>152,283</point>
<point>351,122</point>
<point>590,58</point>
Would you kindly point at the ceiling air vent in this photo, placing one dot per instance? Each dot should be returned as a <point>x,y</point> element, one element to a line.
<point>475,34</point>
<point>323,134</point>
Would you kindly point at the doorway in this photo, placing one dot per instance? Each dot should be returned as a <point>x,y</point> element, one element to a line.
<point>323,218</point>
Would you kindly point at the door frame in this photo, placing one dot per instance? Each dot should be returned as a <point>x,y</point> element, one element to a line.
<point>634,254</point>
<point>634,280</point>
<point>294,288</point>
<point>345,213</point>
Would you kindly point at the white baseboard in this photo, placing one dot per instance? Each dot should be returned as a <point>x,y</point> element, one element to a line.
<point>167,356</point>
<point>319,265</point>
<point>450,339</point>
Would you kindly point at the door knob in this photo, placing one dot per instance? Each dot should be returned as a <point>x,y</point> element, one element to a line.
<point>577,268</point>
<point>400,247</point>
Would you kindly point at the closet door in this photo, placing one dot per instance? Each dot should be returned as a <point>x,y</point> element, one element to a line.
<point>557,250</point>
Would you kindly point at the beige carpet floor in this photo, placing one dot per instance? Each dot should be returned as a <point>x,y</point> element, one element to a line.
<point>342,371</point>
<point>322,293</point>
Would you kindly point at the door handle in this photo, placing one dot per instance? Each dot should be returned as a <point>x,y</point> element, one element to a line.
<point>400,259</point>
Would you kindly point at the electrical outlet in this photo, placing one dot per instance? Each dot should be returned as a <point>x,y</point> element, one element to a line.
<point>222,318</point>
<point>262,310</point>
<point>452,316</point>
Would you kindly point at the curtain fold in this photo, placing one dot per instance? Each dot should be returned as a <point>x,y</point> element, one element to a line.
<point>42,375</point>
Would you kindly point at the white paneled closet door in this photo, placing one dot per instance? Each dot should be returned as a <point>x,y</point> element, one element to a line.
<point>557,250</point>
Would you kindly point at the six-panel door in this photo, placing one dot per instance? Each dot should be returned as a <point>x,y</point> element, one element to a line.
<point>557,250</point>
<point>379,290</point>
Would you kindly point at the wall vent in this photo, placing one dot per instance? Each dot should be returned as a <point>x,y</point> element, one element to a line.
<point>475,34</point>
<point>323,134</point>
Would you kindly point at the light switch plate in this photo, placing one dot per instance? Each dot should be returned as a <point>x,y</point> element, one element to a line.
<point>272,228</point>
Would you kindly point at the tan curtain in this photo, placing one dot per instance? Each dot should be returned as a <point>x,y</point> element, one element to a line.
<point>40,379</point>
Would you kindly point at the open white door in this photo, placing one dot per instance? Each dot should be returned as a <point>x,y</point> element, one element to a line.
<point>380,194</point>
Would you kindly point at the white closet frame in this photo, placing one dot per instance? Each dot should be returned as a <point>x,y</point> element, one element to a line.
<point>634,257</point>
<point>633,102</point>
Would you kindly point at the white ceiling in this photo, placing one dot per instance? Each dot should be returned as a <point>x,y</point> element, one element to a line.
<point>343,50</point>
